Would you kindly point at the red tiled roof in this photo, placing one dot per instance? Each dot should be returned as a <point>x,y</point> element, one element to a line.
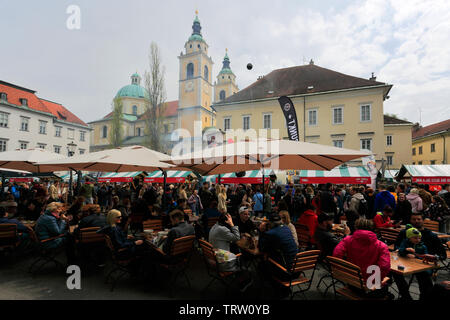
<point>170,111</point>
<point>431,129</point>
<point>15,93</point>
<point>61,112</point>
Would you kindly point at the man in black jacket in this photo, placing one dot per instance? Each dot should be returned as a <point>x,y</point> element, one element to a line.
<point>325,239</point>
<point>327,202</point>
<point>434,246</point>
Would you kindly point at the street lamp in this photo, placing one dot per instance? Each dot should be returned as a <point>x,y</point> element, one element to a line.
<point>71,147</point>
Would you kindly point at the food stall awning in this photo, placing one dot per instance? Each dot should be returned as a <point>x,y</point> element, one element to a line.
<point>119,176</point>
<point>251,177</point>
<point>172,177</point>
<point>344,175</point>
<point>425,174</point>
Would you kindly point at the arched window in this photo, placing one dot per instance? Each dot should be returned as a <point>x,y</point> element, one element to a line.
<point>190,71</point>
<point>206,73</point>
<point>222,95</point>
<point>105,132</point>
<point>135,110</point>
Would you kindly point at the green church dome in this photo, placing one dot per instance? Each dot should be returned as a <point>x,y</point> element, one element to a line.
<point>133,90</point>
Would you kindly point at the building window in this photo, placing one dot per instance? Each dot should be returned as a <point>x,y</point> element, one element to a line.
<point>104,132</point>
<point>24,102</point>
<point>226,124</point>
<point>389,140</point>
<point>82,135</point>
<point>4,96</point>
<point>365,113</point>
<point>432,161</point>
<point>57,149</point>
<point>190,71</point>
<point>246,122</point>
<point>42,127</point>
<point>138,132</point>
<point>70,133</point>
<point>413,163</point>
<point>390,160</point>
<point>23,145</point>
<point>414,151</point>
<point>312,117</point>
<point>338,115</point>
<point>2,145</point>
<point>433,147</point>
<point>24,123</point>
<point>57,131</point>
<point>222,95</point>
<point>338,143</point>
<point>134,110</point>
<point>82,151</point>
<point>4,119</point>
<point>206,73</point>
<point>41,145</point>
<point>267,121</point>
<point>420,150</point>
<point>420,162</point>
<point>366,144</point>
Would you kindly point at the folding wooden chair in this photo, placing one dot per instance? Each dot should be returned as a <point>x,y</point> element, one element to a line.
<point>304,237</point>
<point>325,265</point>
<point>350,275</point>
<point>121,265</point>
<point>8,237</point>
<point>155,224</point>
<point>431,225</point>
<point>389,236</point>
<point>177,261</point>
<point>304,261</point>
<point>212,267</point>
<point>89,242</point>
<point>45,255</point>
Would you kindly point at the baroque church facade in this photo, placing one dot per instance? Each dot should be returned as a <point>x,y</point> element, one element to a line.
<point>197,93</point>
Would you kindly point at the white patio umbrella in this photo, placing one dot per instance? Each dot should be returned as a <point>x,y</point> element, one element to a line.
<point>123,159</point>
<point>25,160</point>
<point>267,154</point>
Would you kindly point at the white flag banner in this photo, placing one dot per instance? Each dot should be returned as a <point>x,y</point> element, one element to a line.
<point>370,164</point>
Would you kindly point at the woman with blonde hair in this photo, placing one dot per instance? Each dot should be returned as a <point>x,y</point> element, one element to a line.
<point>284,215</point>
<point>222,196</point>
<point>118,236</point>
<point>182,192</point>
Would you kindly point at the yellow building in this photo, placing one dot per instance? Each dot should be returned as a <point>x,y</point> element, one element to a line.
<point>431,144</point>
<point>332,108</point>
<point>398,142</point>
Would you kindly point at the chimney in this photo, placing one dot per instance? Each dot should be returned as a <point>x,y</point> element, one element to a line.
<point>311,62</point>
<point>373,78</point>
<point>416,126</point>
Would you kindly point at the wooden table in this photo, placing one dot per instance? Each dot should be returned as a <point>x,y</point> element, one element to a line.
<point>412,265</point>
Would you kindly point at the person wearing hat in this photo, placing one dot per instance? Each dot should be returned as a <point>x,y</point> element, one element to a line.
<point>243,221</point>
<point>276,240</point>
<point>412,244</point>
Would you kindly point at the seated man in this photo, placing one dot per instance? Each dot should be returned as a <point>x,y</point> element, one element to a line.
<point>434,246</point>
<point>180,228</point>
<point>93,219</point>
<point>53,224</point>
<point>244,223</point>
<point>22,231</point>
<point>325,239</point>
<point>276,240</point>
<point>364,249</point>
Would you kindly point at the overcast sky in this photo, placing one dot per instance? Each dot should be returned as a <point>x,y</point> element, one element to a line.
<point>405,43</point>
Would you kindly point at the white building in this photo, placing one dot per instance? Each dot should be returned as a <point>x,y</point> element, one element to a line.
<point>27,121</point>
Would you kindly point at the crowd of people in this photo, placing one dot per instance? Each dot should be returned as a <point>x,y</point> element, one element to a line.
<point>118,209</point>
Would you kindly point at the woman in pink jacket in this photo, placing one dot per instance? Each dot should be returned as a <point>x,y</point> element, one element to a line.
<point>364,249</point>
<point>416,201</point>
